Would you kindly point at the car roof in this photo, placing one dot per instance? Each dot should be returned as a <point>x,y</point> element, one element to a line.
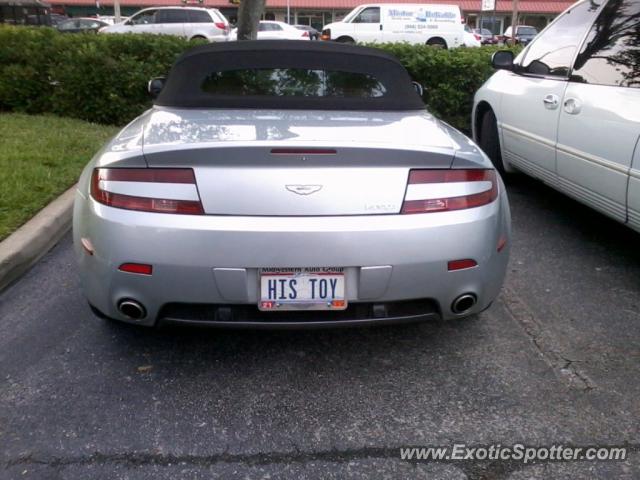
<point>183,86</point>
<point>186,7</point>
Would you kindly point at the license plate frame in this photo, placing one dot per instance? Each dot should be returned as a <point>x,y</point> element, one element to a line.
<point>329,289</point>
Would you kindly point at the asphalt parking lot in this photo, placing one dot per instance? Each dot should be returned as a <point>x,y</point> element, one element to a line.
<point>556,360</point>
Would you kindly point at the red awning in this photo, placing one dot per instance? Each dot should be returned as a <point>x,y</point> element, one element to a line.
<point>549,6</point>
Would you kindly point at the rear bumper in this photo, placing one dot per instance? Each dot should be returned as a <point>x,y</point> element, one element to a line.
<point>214,260</point>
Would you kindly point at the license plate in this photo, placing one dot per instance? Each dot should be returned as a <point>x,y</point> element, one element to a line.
<point>312,288</point>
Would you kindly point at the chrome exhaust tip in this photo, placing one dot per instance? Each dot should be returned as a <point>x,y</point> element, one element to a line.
<point>132,309</point>
<point>463,303</point>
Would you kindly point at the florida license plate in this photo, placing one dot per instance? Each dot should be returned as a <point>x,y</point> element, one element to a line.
<point>311,288</point>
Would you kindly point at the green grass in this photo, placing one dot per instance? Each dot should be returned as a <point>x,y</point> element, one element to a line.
<point>40,157</point>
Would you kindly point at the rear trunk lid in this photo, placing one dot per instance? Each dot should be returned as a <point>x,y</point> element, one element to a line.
<point>292,163</point>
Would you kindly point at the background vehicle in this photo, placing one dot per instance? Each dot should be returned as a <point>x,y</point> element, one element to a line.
<point>56,18</point>
<point>524,34</point>
<point>81,25</point>
<point>188,22</point>
<point>313,33</point>
<point>268,168</point>
<point>25,12</point>
<point>470,38</point>
<point>437,25</point>
<point>486,37</point>
<point>271,30</point>
<point>567,109</point>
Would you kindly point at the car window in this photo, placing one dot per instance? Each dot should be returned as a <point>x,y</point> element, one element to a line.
<point>67,25</point>
<point>611,52</point>
<point>199,16</point>
<point>368,15</point>
<point>89,24</point>
<point>144,18</point>
<point>172,16</point>
<point>552,52</point>
<point>263,27</point>
<point>276,28</point>
<point>293,82</point>
<point>527,31</point>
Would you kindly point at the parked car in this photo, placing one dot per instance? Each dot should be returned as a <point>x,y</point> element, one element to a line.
<point>56,18</point>
<point>271,30</point>
<point>567,109</point>
<point>431,24</point>
<point>282,183</point>
<point>81,25</point>
<point>471,39</point>
<point>111,19</point>
<point>313,33</point>
<point>524,34</point>
<point>188,22</point>
<point>486,37</point>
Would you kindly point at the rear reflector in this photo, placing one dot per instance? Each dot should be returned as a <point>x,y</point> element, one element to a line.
<point>502,242</point>
<point>461,264</point>
<point>446,190</point>
<point>160,190</point>
<point>139,268</point>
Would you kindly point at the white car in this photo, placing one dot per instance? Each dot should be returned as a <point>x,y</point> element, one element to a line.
<point>188,22</point>
<point>436,25</point>
<point>567,109</point>
<point>470,38</point>
<point>271,30</point>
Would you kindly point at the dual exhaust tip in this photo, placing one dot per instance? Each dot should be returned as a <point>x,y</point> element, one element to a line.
<point>463,303</point>
<point>132,309</point>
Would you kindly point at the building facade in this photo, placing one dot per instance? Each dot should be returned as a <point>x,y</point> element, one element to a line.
<point>318,13</point>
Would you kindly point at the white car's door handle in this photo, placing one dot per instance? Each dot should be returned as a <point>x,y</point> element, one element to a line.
<point>551,101</point>
<point>572,106</point>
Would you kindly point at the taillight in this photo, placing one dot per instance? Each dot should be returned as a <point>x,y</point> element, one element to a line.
<point>160,190</point>
<point>445,190</point>
<point>221,25</point>
<point>478,37</point>
<point>305,34</point>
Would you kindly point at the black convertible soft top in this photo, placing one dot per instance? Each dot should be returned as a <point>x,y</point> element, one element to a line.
<point>186,84</point>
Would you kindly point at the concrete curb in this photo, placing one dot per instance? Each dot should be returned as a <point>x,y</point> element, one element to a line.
<point>29,243</point>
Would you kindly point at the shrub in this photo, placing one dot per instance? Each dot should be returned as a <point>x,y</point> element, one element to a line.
<point>103,78</point>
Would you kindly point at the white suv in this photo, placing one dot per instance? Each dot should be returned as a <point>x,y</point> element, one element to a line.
<point>188,22</point>
<point>567,109</point>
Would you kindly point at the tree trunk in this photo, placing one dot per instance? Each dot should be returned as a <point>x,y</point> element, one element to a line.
<point>514,22</point>
<point>249,14</point>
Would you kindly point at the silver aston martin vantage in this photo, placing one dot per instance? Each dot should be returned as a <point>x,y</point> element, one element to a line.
<point>275,184</point>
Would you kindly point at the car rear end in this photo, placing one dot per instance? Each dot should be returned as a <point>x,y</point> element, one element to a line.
<point>290,217</point>
<point>207,23</point>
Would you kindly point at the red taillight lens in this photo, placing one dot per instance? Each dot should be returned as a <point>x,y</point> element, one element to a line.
<point>461,264</point>
<point>445,190</point>
<point>305,34</point>
<point>221,25</point>
<point>139,268</point>
<point>478,37</point>
<point>160,190</point>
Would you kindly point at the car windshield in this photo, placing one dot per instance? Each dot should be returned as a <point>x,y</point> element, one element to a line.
<point>351,14</point>
<point>527,31</point>
<point>293,82</point>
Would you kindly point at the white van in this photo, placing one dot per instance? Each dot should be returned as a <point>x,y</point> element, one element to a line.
<point>437,25</point>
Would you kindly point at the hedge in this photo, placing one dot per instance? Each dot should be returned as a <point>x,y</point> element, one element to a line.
<point>103,78</point>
